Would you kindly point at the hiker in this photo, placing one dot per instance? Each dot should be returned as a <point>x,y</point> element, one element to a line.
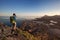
<point>13,22</point>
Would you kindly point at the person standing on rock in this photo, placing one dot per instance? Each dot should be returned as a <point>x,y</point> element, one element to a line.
<point>13,22</point>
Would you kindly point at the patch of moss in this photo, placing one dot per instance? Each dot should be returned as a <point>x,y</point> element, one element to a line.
<point>27,35</point>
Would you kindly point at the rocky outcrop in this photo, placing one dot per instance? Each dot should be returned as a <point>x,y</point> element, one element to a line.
<point>45,28</point>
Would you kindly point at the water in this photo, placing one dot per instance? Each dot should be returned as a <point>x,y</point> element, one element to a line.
<point>7,22</point>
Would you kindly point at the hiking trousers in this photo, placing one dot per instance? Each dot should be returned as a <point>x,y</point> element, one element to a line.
<point>14,26</point>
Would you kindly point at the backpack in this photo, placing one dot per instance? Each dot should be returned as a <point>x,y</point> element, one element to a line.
<point>12,19</point>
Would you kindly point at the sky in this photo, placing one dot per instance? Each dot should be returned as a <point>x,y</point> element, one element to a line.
<point>29,7</point>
